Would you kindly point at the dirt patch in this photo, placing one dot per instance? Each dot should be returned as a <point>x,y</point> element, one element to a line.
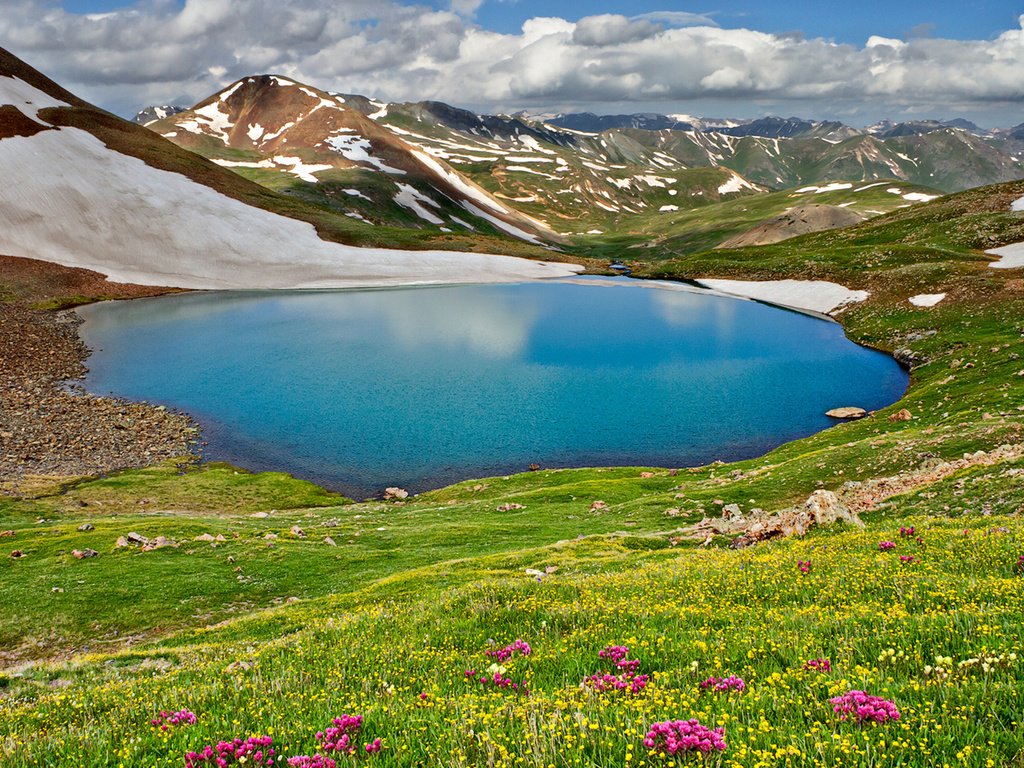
<point>13,122</point>
<point>796,221</point>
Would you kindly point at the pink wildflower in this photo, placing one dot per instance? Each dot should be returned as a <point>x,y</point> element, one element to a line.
<point>885,546</point>
<point>864,707</point>
<point>256,750</point>
<point>684,737</point>
<point>804,566</point>
<point>724,684</point>
<point>502,654</point>
<point>818,665</point>
<point>314,761</point>
<point>167,720</point>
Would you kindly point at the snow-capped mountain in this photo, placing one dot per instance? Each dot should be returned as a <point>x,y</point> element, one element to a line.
<point>152,114</point>
<point>87,189</point>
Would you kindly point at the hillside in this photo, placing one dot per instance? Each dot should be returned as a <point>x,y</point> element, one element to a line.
<point>97,192</point>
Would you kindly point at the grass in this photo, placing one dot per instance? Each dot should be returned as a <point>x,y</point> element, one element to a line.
<point>385,621</point>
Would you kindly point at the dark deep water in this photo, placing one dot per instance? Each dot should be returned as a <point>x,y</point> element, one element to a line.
<point>421,387</point>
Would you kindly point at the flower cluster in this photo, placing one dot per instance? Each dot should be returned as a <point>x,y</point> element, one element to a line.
<point>885,546</point>
<point>316,761</point>
<point>941,670</point>
<point>341,735</point>
<point>908,559</point>
<point>863,707</point>
<point>723,684</point>
<point>818,665</point>
<point>987,662</point>
<point>1020,564</point>
<point>683,737</point>
<point>603,682</point>
<point>504,654</point>
<point>167,720</point>
<point>627,679</point>
<point>906,533</point>
<point>804,566</point>
<point>617,654</point>
<point>256,750</point>
<point>495,678</point>
<point>891,656</point>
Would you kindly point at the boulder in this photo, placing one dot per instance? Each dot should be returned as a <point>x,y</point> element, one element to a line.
<point>82,554</point>
<point>394,494</point>
<point>901,415</point>
<point>86,527</point>
<point>847,412</point>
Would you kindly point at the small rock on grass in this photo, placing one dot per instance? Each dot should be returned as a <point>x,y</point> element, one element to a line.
<point>901,415</point>
<point>847,412</point>
<point>82,554</point>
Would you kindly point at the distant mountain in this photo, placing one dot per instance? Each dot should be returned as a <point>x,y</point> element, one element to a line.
<point>152,114</point>
<point>790,128</point>
<point>588,122</point>
<point>331,150</point>
<point>99,192</point>
<point>888,129</point>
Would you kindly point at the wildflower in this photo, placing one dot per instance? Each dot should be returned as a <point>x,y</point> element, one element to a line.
<point>864,707</point>
<point>628,678</point>
<point>724,684</point>
<point>340,737</point>
<point>314,761</point>
<point>908,559</point>
<point>167,720</point>
<point>1020,564</point>
<point>818,665</point>
<point>683,737</point>
<point>906,533</point>
<point>256,750</point>
<point>503,654</point>
<point>804,566</point>
<point>885,546</point>
<point>373,747</point>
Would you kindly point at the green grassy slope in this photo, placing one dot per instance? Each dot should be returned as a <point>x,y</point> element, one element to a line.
<point>411,594</point>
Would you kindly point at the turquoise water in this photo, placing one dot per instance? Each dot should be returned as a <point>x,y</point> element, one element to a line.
<point>421,387</point>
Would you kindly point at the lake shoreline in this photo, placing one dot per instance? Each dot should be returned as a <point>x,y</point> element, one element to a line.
<point>51,430</point>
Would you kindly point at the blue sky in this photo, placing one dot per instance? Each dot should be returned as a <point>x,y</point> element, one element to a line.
<point>857,61</point>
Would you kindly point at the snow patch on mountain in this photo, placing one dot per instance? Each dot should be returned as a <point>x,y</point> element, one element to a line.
<point>411,198</point>
<point>356,148</point>
<point>818,296</point>
<point>82,204</point>
<point>736,183</point>
<point>26,98</point>
<point>462,185</point>
<point>1017,205</point>
<point>926,299</point>
<point>504,226</point>
<point>297,166</point>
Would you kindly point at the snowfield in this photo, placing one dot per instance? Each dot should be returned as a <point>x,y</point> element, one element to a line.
<point>81,204</point>
<point>818,296</point>
<point>926,299</point>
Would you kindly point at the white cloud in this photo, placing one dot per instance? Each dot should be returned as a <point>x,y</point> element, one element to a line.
<point>156,52</point>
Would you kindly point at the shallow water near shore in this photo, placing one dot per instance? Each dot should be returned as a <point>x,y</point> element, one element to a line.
<point>422,387</point>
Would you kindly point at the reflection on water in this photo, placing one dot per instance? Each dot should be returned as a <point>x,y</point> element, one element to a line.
<point>420,387</point>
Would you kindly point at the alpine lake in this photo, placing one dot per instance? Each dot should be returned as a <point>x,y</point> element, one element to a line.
<point>425,386</point>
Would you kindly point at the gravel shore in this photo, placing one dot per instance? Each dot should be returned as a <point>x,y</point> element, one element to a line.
<point>52,430</point>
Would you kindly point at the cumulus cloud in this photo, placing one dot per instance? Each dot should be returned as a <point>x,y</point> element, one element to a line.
<point>157,51</point>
